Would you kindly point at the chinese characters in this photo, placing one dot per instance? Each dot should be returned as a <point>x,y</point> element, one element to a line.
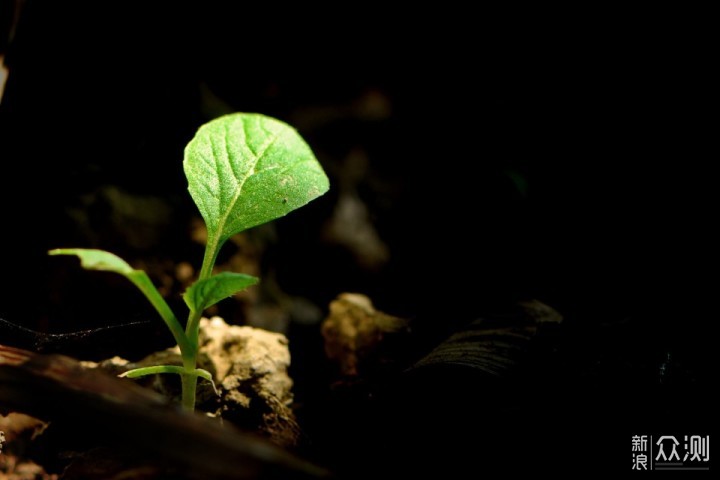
<point>667,452</point>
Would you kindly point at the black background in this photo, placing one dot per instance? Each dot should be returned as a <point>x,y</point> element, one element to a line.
<point>603,121</point>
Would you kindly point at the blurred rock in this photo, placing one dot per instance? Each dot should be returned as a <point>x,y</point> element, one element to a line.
<point>17,431</point>
<point>355,333</point>
<point>351,224</point>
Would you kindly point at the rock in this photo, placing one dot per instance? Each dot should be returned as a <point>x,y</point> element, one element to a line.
<point>249,366</point>
<point>17,434</point>
<point>355,332</point>
<point>17,430</point>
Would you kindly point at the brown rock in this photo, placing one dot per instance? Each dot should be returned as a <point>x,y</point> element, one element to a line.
<point>249,366</point>
<point>354,332</point>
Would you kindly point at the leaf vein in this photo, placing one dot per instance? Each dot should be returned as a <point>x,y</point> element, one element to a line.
<point>241,183</point>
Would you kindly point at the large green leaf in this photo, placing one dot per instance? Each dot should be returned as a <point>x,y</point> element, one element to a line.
<point>206,293</point>
<point>247,169</point>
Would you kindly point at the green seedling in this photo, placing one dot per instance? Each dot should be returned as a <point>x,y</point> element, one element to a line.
<point>243,170</point>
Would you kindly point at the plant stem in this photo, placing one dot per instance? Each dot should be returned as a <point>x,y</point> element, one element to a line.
<point>189,385</point>
<point>142,282</point>
<point>211,251</point>
<point>191,331</point>
<point>189,382</point>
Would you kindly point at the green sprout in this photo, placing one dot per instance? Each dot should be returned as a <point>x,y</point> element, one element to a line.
<point>243,170</point>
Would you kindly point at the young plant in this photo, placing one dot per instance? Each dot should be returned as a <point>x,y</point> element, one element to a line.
<point>243,170</point>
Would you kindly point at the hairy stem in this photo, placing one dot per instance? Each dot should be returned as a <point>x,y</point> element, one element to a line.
<point>211,252</point>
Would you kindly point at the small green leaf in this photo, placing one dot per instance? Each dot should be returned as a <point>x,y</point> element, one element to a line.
<point>206,293</point>
<point>155,369</point>
<point>247,169</point>
<point>91,259</point>
<point>143,371</point>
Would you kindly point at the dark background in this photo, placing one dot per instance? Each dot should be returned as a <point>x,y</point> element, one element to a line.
<point>507,158</point>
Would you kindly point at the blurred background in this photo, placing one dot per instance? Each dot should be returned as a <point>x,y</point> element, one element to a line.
<point>475,161</point>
